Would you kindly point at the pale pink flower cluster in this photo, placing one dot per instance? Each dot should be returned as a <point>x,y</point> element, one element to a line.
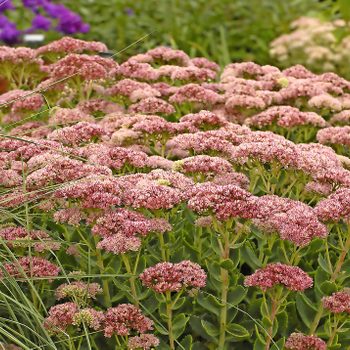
<point>335,207</point>
<point>293,220</point>
<point>20,101</point>
<point>143,341</point>
<point>286,117</point>
<point>292,277</point>
<point>227,201</point>
<point>62,170</point>
<point>84,66</point>
<point>167,276</point>
<point>300,341</point>
<point>60,316</point>
<point>18,55</point>
<point>152,105</point>
<point>336,135</point>
<point>76,134</point>
<point>71,45</point>
<point>120,229</point>
<point>193,93</point>
<point>203,164</point>
<point>338,302</point>
<point>35,130</point>
<point>16,236</point>
<point>26,267</point>
<point>66,116</point>
<point>125,318</point>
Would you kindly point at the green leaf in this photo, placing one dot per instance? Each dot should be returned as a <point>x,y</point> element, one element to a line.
<point>209,303</point>
<point>210,328</point>
<point>179,303</point>
<point>328,287</point>
<point>249,257</point>
<point>306,309</point>
<point>237,332</point>
<point>235,295</point>
<point>323,263</point>
<point>179,324</point>
<point>227,264</point>
<point>187,342</point>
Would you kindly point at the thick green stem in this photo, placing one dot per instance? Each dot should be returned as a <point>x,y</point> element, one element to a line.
<point>163,248</point>
<point>105,286</point>
<point>269,336</point>
<point>334,332</point>
<point>224,290</point>
<point>169,313</point>
<point>126,262</point>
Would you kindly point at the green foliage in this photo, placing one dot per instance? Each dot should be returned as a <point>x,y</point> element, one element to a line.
<point>224,30</point>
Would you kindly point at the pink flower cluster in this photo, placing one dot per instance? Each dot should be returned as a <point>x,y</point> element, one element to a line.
<point>120,229</point>
<point>299,341</point>
<point>292,277</point>
<point>338,302</point>
<point>167,276</point>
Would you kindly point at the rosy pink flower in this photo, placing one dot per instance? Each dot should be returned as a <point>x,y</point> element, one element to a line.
<point>204,119</point>
<point>203,164</point>
<point>224,202</point>
<point>202,62</point>
<point>166,54</point>
<point>76,134</point>
<point>136,70</point>
<point>84,66</point>
<point>125,318</point>
<point>71,45</point>
<point>143,341</point>
<point>292,277</point>
<point>293,220</point>
<point>60,317</point>
<point>339,135</point>
<point>31,267</point>
<point>152,105</point>
<point>285,116</point>
<point>338,302</point>
<point>299,341</point>
<point>66,116</point>
<point>167,276</point>
<point>195,93</point>
<point>335,207</point>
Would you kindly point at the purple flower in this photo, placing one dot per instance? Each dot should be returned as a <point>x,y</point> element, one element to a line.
<point>41,22</point>
<point>9,34</point>
<point>7,5</point>
<point>56,10</point>
<point>71,23</point>
<point>33,4</point>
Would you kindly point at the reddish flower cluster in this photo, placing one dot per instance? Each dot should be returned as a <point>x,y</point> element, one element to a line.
<point>171,277</point>
<point>338,302</point>
<point>30,267</point>
<point>123,319</point>
<point>299,341</point>
<point>292,277</point>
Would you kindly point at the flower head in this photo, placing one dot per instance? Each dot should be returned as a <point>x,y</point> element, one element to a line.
<point>173,277</point>
<point>299,341</point>
<point>292,277</point>
<point>125,318</point>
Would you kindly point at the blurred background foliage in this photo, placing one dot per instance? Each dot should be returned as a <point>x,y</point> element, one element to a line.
<point>223,30</point>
